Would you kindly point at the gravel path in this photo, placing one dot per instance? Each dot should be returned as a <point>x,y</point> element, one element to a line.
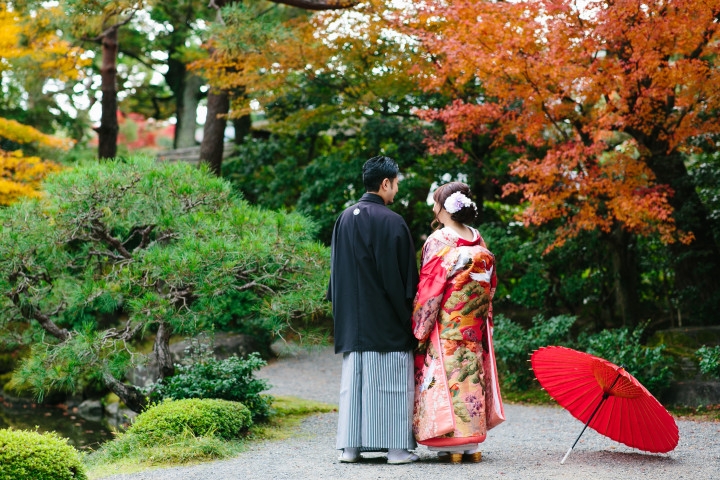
<point>529,445</point>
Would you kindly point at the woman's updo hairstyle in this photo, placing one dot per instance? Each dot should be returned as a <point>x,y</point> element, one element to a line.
<point>467,214</point>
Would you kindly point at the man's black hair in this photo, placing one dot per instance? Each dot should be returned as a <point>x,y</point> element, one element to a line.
<point>378,169</point>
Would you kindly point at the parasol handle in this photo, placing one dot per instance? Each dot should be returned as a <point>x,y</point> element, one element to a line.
<point>604,397</point>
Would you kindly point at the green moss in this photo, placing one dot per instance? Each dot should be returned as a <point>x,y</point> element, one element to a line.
<point>288,413</point>
<point>38,456</point>
<point>532,396</point>
<point>110,398</point>
<point>708,413</point>
<point>684,339</point>
<point>285,406</point>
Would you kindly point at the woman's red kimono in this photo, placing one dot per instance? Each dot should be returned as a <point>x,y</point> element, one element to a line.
<point>457,283</point>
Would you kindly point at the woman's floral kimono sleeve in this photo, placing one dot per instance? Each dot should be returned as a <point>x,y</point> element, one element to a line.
<point>433,278</point>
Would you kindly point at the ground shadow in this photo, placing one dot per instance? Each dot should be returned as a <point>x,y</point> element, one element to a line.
<point>626,458</point>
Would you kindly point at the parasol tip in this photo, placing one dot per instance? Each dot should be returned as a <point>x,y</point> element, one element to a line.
<point>562,462</point>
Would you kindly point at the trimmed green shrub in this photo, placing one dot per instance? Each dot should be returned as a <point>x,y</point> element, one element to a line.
<point>709,360</point>
<point>514,345</point>
<point>38,456</point>
<point>229,379</point>
<point>196,417</point>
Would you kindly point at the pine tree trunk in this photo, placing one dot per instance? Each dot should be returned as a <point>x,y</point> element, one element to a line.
<point>108,130</point>
<point>211,148</point>
<point>697,284</point>
<point>130,395</point>
<point>161,350</point>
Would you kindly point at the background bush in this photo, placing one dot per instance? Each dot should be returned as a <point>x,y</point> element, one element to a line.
<point>229,379</point>
<point>514,345</point>
<point>709,360</point>
<point>38,456</point>
<point>623,346</point>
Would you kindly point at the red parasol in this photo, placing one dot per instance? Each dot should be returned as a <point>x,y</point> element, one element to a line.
<point>583,383</point>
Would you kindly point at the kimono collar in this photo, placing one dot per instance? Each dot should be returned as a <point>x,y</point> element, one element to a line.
<point>372,198</point>
<point>452,236</point>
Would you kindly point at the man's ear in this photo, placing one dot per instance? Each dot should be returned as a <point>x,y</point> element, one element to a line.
<point>386,184</point>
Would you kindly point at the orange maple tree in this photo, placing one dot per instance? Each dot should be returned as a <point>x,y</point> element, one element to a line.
<point>606,97</point>
<point>612,92</point>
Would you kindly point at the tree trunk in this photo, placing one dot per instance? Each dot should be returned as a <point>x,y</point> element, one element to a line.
<point>211,148</point>
<point>108,130</point>
<point>133,398</point>
<point>625,276</point>
<point>242,128</point>
<point>186,111</point>
<point>697,284</point>
<point>161,350</point>
<point>319,4</point>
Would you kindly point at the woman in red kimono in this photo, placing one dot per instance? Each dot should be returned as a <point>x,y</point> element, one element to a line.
<point>451,315</point>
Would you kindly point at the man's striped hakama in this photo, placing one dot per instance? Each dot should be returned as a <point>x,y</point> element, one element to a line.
<point>377,390</point>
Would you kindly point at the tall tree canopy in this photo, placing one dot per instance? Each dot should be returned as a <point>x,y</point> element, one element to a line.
<point>607,96</point>
<point>211,150</point>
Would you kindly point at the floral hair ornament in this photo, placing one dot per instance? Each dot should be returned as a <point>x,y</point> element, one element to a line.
<point>456,202</point>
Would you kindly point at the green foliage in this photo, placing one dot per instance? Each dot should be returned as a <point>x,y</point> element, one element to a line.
<point>319,174</point>
<point>703,168</point>
<point>250,26</point>
<point>709,360</point>
<point>130,453</point>
<point>514,345</point>
<point>230,379</point>
<point>116,249</point>
<point>623,346</point>
<point>186,448</point>
<point>38,456</point>
<point>165,421</point>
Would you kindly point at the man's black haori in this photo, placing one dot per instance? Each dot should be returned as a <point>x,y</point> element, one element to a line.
<point>373,280</point>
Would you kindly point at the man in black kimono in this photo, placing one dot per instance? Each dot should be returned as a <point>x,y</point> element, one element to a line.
<point>373,281</point>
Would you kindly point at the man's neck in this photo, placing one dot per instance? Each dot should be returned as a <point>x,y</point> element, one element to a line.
<point>379,194</point>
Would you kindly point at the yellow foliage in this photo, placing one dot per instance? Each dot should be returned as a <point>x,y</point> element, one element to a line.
<point>37,46</point>
<point>34,40</point>
<point>21,176</point>
<point>17,132</point>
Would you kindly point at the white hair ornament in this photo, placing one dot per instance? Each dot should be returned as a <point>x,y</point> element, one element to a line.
<point>456,202</point>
